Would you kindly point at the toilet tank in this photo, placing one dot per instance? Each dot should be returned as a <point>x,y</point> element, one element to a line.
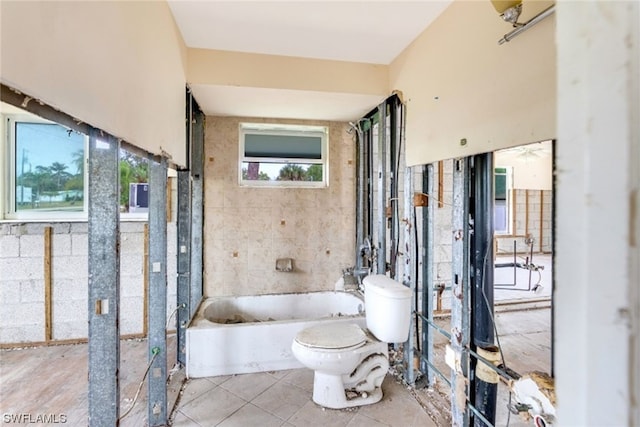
<point>387,308</point>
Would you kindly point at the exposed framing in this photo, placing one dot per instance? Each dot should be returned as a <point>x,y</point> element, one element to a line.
<point>460,301</point>
<point>157,340</point>
<point>104,279</point>
<point>48,318</point>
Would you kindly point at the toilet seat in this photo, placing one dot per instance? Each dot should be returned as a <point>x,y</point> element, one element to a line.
<point>332,336</point>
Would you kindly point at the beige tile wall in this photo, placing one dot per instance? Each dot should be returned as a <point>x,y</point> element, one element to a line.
<point>247,229</point>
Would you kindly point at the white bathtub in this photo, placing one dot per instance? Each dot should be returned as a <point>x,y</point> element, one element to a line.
<point>263,341</point>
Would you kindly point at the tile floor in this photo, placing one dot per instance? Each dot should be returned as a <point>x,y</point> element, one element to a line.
<point>283,398</point>
<point>53,380</point>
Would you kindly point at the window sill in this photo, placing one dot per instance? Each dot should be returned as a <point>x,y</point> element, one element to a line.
<point>62,220</point>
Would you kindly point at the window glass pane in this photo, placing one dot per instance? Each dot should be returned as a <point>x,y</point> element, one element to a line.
<point>500,216</point>
<point>263,171</point>
<point>134,179</point>
<point>500,186</point>
<point>49,168</point>
<point>283,146</point>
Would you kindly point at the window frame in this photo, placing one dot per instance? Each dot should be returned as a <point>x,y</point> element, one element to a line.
<point>8,158</point>
<point>9,211</point>
<point>282,129</point>
<point>507,200</point>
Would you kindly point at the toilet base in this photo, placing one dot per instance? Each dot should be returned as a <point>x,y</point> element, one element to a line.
<point>329,392</point>
<point>361,387</point>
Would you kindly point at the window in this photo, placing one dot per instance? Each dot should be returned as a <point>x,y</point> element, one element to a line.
<point>283,155</point>
<point>44,167</point>
<point>501,211</point>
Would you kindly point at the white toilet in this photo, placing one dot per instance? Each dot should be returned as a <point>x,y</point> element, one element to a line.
<point>350,362</point>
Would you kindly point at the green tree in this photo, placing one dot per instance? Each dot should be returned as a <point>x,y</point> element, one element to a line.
<point>262,176</point>
<point>133,169</point>
<point>314,173</point>
<point>292,173</point>
<point>59,174</point>
<point>78,161</point>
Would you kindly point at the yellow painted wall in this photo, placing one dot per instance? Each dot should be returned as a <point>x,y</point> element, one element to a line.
<point>459,83</point>
<point>118,65</point>
<point>283,72</point>
<point>531,171</point>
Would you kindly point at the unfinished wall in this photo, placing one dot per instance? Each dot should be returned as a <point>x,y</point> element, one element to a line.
<point>22,280</point>
<point>247,229</point>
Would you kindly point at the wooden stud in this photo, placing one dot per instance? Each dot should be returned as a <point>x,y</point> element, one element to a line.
<point>145,279</point>
<point>170,181</point>
<point>440,184</point>
<point>514,223</point>
<point>541,217</point>
<point>47,285</point>
<point>526,213</point>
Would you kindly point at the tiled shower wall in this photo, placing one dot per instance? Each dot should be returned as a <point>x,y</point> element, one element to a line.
<point>247,229</point>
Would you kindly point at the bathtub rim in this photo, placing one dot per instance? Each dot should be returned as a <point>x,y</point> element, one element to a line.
<point>199,321</point>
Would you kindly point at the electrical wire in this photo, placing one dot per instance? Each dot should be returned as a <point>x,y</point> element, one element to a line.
<point>135,397</point>
<point>431,196</point>
<point>155,352</point>
<point>178,307</point>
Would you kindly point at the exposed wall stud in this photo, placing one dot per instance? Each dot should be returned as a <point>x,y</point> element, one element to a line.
<point>145,280</point>
<point>526,213</point>
<point>48,320</point>
<point>104,279</point>
<point>183,262</point>
<point>428,230</point>
<point>541,220</point>
<point>197,210</point>
<point>157,341</point>
<point>440,184</point>
<point>460,293</point>
<point>514,227</point>
<point>409,262</point>
<point>382,187</point>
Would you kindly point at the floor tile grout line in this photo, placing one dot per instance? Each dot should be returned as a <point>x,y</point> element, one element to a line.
<point>244,398</point>
<point>234,412</point>
<point>188,417</point>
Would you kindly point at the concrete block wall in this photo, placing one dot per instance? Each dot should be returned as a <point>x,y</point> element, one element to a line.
<point>22,286</point>
<point>443,225</point>
<point>530,207</point>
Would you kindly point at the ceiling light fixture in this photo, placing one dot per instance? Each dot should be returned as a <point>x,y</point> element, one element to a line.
<point>509,10</point>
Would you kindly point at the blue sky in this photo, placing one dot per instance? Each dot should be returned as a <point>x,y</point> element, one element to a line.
<point>45,144</point>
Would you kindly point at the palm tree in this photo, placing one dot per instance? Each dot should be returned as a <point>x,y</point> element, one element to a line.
<point>78,161</point>
<point>292,173</point>
<point>58,171</point>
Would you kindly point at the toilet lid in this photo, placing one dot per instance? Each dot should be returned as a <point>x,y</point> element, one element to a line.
<point>332,336</point>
